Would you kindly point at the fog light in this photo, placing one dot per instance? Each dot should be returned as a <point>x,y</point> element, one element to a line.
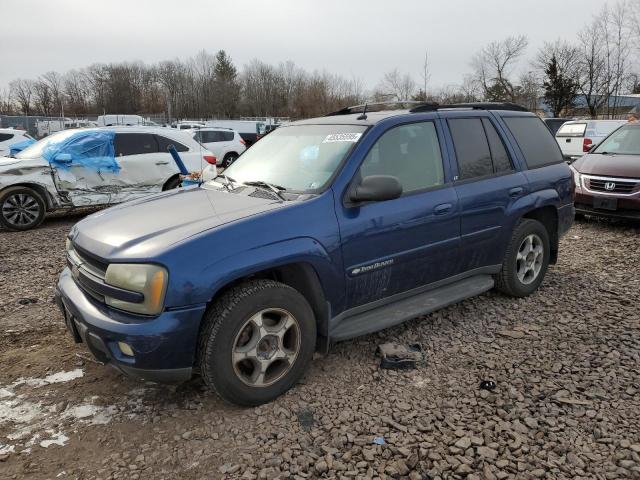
<point>125,348</point>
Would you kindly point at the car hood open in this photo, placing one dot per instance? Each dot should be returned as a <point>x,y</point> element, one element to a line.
<point>141,229</point>
<point>626,166</point>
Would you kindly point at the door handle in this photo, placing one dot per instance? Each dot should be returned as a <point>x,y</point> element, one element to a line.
<point>162,163</point>
<point>442,208</point>
<point>516,192</point>
<point>568,140</point>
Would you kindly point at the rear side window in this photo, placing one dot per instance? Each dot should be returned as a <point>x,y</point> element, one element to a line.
<point>164,142</point>
<point>5,136</point>
<point>409,152</point>
<point>472,148</point>
<point>227,136</point>
<point>134,144</point>
<point>499,155</point>
<point>571,130</point>
<point>536,142</point>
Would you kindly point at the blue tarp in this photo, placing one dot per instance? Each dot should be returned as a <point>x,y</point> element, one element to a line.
<point>19,146</point>
<point>92,149</point>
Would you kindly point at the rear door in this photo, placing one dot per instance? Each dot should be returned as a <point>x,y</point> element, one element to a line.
<point>570,138</point>
<point>143,167</point>
<point>396,245</point>
<point>487,183</point>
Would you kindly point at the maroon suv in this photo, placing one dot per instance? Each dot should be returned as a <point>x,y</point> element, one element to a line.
<point>608,177</point>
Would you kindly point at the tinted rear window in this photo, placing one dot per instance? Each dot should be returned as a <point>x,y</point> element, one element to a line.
<point>164,142</point>
<point>535,141</point>
<point>572,130</point>
<point>134,144</point>
<point>472,147</point>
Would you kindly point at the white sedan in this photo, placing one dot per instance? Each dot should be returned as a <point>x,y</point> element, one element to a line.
<point>92,167</point>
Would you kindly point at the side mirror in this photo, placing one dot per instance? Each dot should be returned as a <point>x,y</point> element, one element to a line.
<point>63,158</point>
<point>376,188</point>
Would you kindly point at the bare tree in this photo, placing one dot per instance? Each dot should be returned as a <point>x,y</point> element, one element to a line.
<point>55,83</point>
<point>494,64</point>
<point>22,90</point>
<point>396,86</point>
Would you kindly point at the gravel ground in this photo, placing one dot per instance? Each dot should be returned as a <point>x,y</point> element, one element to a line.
<point>564,361</point>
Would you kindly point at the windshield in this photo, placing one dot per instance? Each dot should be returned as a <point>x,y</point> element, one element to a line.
<point>301,158</point>
<point>35,150</point>
<point>624,141</point>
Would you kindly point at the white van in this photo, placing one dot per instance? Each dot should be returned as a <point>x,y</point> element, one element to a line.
<point>577,137</point>
<point>124,120</point>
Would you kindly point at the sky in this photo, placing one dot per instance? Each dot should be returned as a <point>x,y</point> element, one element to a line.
<point>356,38</point>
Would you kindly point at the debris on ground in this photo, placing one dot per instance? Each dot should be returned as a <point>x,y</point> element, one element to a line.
<point>487,385</point>
<point>400,357</point>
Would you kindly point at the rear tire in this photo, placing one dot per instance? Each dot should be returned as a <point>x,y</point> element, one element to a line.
<point>21,208</point>
<point>228,159</point>
<point>256,342</point>
<point>172,183</point>
<point>526,261</point>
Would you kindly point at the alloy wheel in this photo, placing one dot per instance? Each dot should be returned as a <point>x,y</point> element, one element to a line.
<point>20,209</point>
<point>529,259</point>
<point>266,347</point>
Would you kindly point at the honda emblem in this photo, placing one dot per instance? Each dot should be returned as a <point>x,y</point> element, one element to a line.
<point>609,186</point>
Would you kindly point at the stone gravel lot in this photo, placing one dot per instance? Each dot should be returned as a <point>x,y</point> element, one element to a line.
<point>565,362</point>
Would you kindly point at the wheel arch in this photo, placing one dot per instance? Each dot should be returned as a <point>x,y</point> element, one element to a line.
<point>302,277</point>
<point>548,216</point>
<point>169,180</point>
<point>41,190</point>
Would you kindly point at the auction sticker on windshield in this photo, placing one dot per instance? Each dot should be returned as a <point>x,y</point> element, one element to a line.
<point>342,137</point>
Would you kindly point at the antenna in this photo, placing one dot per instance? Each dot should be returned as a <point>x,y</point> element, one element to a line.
<point>364,113</point>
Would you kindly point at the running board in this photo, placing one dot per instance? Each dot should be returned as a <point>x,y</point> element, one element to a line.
<point>399,311</point>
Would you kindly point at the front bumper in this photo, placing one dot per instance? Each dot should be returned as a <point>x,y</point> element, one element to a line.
<point>628,207</point>
<point>164,346</point>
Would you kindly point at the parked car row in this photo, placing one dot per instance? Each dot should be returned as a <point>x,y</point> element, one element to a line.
<point>92,167</point>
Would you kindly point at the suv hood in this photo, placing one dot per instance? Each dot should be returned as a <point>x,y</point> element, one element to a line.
<point>609,165</point>
<point>144,228</point>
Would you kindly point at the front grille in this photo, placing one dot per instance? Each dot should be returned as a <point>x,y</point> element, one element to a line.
<point>85,267</point>
<point>612,185</point>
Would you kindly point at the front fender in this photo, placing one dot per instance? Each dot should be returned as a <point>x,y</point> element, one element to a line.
<point>291,251</point>
<point>214,276</point>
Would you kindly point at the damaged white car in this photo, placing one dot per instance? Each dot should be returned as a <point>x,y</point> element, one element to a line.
<point>92,167</point>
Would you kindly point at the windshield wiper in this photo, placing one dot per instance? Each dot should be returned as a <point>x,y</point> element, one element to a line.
<point>277,189</point>
<point>228,181</point>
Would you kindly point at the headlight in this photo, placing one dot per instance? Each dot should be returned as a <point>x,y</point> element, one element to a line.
<point>149,280</point>
<point>577,178</point>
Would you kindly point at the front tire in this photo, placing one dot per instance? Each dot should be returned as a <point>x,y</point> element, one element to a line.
<point>257,341</point>
<point>21,208</point>
<point>526,261</point>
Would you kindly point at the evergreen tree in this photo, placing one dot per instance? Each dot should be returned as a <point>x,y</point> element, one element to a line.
<point>227,86</point>
<point>559,90</point>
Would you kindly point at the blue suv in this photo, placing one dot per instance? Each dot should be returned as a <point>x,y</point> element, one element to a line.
<point>324,230</point>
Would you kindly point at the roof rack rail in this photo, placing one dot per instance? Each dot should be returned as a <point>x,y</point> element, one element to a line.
<point>472,105</point>
<point>377,106</point>
<point>417,106</point>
